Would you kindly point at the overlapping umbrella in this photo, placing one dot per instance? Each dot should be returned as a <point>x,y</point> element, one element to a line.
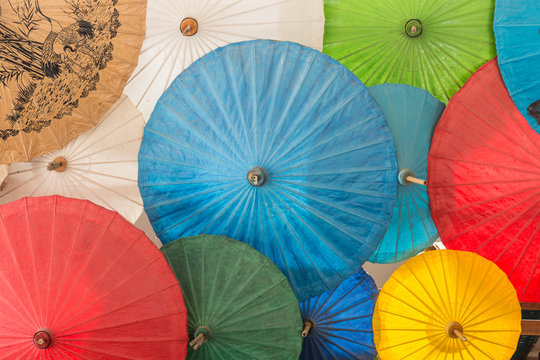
<point>180,32</point>
<point>412,115</point>
<point>517,35</point>
<point>79,282</point>
<point>431,44</point>
<point>484,180</point>
<point>337,324</point>
<point>100,165</point>
<point>276,145</point>
<point>240,306</point>
<point>447,304</point>
<point>63,64</point>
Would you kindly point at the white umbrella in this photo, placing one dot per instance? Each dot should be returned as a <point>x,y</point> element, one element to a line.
<point>180,32</point>
<point>100,165</point>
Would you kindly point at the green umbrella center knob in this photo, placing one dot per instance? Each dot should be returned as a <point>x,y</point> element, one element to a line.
<point>43,339</point>
<point>256,176</point>
<point>413,28</point>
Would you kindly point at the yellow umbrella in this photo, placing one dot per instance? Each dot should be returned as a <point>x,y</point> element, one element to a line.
<point>447,304</point>
<point>63,64</point>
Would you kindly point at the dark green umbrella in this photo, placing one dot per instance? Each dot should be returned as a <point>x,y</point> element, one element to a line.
<point>240,305</point>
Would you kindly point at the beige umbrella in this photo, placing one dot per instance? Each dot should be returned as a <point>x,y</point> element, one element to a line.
<point>63,64</point>
<point>100,165</point>
<point>179,32</point>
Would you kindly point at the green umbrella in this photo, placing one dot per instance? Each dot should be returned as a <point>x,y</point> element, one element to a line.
<point>432,44</point>
<point>240,305</point>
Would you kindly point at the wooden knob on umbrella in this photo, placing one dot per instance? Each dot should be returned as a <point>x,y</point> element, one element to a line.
<point>59,164</point>
<point>189,27</point>
<point>43,338</point>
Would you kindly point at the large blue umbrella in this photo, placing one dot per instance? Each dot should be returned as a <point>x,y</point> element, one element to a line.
<point>337,324</point>
<point>277,145</point>
<point>517,38</point>
<point>412,115</point>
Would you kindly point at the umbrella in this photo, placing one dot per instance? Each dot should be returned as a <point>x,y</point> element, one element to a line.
<point>240,306</point>
<point>79,282</point>
<point>100,165</point>
<point>484,180</point>
<point>63,64</point>
<point>412,114</point>
<point>277,145</point>
<point>338,322</point>
<point>180,32</point>
<point>432,44</point>
<point>517,35</point>
<point>447,304</point>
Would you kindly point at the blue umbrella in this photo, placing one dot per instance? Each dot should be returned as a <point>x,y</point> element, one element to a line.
<point>517,38</point>
<point>412,115</point>
<point>279,146</point>
<point>337,324</point>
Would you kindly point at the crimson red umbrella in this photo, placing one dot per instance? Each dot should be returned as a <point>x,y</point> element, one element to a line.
<point>79,282</point>
<point>484,180</point>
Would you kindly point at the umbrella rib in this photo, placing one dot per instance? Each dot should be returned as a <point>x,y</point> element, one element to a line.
<point>346,259</point>
<point>34,265</point>
<point>193,310</point>
<point>353,355</point>
<point>51,257</point>
<point>328,187</point>
<point>327,314</point>
<point>535,267</point>
<point>403,316</point>
<point>199,210</point>
<point>182,164</point>
<point>413,341</point>
<point>443,303</point>
<point>114,147</point>
<point>419,211</point>
<point>241,12</point>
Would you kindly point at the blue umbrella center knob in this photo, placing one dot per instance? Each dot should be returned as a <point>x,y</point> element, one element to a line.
<point>43,339</point>
<point>413,28</point>
<point>256,176</point>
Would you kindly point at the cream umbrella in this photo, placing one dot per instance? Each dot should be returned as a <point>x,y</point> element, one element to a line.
<point>180,32</point>
<point>100,165</point>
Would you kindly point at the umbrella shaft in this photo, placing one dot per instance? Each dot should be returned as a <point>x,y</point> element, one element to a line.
<point>197,342</point>
<point>416,180</point>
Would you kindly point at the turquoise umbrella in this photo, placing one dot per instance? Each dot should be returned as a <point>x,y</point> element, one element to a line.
<point>412,115</point>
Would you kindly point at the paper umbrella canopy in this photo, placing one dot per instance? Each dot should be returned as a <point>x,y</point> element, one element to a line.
<point>431,44</point>
<point>517,35</point>
<point>484,180</point>
<point>179,32</point>
<point>276,145</point>
<point>412,114</point>
<point>337,324</point>
<point>240,306</point>
<point>63,64</point>
<point>80,282</point>
<point>447,304</point>
<point>100,165</point>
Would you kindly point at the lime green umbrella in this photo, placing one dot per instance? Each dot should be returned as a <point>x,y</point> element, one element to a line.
<point>240,305</point>
<point>432,44</point>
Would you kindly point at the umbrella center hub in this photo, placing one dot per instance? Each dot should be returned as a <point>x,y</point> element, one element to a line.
<point>189,27</point>
<point>402,176</point>
<point>256,176</point>
<point>59,164</point>
<point>451,329</point>
<point>204,330</point>
<point>43,339</point>
<point>413,28</point>
<point>309,326</point>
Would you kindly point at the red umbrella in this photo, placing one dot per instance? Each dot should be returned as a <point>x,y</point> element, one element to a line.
<point>484,180</point>
<point>79,282</point>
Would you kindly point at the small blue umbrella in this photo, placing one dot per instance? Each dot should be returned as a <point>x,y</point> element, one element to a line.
<point>276,145</point>
<point>412,115</point>
<point>517,39</point>
<point>337,324</point>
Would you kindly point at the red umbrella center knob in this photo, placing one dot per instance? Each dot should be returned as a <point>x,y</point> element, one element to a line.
<point>189,27</point>
<point>43,339</point>
<point>413,28</point>
<point>256,176</point>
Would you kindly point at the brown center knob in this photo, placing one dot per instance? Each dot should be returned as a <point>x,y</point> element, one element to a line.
<point>189,27</point>
<point>59,164</point>
<point>43,339</point>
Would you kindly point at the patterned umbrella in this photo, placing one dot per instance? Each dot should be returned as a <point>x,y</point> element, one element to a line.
<point>484,180</point>
<point>63,64</point>
<point>431,44</point>
<point>412,114</point>
<point>179,32</point>
<point>337,324</point>
<point>79,282</point>
<point>240,306</point>
<point>279,146</point>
